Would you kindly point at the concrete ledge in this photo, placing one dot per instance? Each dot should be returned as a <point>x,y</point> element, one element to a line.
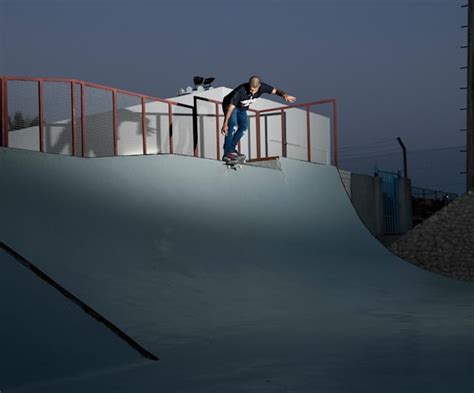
<point>267,162</point>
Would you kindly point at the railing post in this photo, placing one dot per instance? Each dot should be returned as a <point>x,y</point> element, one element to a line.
<point>195,127</point>
<point>114,110</point>
<point>4,111</point>
<point>144,125</point>
<point>73,119</point>
<point>283,133</point>
<point>308,132</point>
<point>170,126</point>
<point>2,126</point>
<point>334,120</point>
<point>266,135</point>
<point>257,120</point>
<point>41,116</point>
<point>218,143</point>
<point>83,122</point>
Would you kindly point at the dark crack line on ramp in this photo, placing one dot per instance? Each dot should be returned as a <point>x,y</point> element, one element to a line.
<point>87,309</point>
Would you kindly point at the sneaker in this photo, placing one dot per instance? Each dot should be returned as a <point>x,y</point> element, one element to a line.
<point>240,156</point>
<point>230,157</point>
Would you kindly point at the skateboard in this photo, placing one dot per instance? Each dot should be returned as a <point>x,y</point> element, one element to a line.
<point>234,164</point>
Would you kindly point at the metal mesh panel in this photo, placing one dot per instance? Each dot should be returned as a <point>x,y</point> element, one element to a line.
<point>129,125</point>
<point>23,115</point>
<point>157,127</point>
<point>57,117</point>
<point>98,122</point>
<point>391,206</point>
<point>296,124</point>
<point>425,193</point>
<point>183,142</point>
<point>78,112</point>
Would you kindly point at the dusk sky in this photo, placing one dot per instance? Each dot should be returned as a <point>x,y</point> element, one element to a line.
<point>393,65</point>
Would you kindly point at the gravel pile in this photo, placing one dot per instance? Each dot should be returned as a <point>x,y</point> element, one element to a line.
<point>443,243</point>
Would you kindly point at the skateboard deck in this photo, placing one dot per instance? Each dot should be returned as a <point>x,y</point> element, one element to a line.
<point>235,164</point>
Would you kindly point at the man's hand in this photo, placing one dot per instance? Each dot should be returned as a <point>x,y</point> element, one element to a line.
<point>283,95</point>
<point>225,129</point>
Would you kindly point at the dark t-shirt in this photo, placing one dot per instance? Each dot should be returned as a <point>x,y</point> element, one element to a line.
<point>241,96</point>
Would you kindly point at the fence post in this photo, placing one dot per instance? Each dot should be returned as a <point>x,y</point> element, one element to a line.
<point>144,125</point>
<point>308,131</point>
<point>218,143</point>
<point>73,119</point>
<point>195,128</point>
<point>83,121</point>
<point>2,126</point>
<point>257,119</point>
<point>4,114</point>
<point>41,116</point>
<point>114,109</point>
<point>170,126</point>
<point>266,135</point>
<point>283,133</point>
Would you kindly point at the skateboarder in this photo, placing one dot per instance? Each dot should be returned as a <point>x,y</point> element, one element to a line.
<point>235,107</point>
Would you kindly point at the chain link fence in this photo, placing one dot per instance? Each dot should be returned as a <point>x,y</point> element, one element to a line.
<point>83,119</point>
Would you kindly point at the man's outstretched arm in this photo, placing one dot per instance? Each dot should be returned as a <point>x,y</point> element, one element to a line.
<point>283,95</point>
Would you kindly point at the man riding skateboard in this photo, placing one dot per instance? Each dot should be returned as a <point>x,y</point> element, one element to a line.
<point>235,107</point>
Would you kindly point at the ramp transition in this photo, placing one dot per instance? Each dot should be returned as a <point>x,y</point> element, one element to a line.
<point>43,336</point>
<point>243,280</point>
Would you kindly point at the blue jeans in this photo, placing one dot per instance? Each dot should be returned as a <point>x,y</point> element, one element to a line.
<point>238,124</point>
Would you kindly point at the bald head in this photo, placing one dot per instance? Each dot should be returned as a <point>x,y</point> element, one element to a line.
<point>254,82</point>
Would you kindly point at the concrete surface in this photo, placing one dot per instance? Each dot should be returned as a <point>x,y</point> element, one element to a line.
<point>240,281</point>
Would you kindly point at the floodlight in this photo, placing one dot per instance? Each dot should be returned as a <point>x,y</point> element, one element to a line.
<point>208,81</point>
<point>198,80</point>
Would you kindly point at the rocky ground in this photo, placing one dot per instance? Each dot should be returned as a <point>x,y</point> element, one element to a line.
<point>443,243</point>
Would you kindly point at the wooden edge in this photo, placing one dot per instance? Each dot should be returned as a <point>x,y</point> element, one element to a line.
<point>263,159</point>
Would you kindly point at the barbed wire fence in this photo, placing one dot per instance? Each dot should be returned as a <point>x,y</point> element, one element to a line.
<point>435,169</point>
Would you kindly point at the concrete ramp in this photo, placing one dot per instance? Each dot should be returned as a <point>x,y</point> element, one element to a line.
<point>249,280</point>
<point>44,337</point>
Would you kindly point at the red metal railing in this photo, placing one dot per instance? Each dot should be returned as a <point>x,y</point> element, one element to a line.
<point>94,124</point>
<point>307,106</point>
<point>281,111</point>
<point>73,87</point>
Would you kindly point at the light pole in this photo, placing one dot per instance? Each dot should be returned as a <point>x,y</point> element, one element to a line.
<point>470,100</point>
